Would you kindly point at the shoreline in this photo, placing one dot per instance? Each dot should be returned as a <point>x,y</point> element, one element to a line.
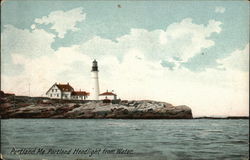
<point>121,108</point>
<point>41,107</point>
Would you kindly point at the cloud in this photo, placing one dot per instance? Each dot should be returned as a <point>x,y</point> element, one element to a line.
<point>33,26</point>
<point>62,22</point>
<point>29,43</point>
<point>219,9</point>
<point>132,66</point>
<point>65,65</point>
<point>237,60</point>
<point>178,43</point>
<point>168,64</point>
<point>186,39</point>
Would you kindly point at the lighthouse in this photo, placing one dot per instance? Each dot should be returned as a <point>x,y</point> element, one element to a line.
<point>95,83</point>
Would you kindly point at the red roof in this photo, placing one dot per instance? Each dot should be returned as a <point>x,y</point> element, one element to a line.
<point>65,87</point>
<point>80,93</point>
<point>107,94</point>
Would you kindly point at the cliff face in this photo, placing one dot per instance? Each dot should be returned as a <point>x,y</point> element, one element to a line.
<point>28,107</point>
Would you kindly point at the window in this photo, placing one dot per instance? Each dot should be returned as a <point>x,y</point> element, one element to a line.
<point>52,90</point>
<point>50,95</point>
<point>57,95</point>
<point>56,90</point>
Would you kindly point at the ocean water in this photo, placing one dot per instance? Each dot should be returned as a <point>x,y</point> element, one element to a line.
<point>85,139</point>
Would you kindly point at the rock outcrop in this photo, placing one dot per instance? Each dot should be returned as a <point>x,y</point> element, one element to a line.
<point>35,107</point>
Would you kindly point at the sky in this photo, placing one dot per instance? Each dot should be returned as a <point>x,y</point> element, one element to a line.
<point>193,53</point>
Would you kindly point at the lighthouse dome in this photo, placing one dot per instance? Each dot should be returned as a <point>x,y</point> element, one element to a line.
<point>94,66</point>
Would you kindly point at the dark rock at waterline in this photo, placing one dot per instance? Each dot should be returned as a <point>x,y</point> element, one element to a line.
<point>39,107</point>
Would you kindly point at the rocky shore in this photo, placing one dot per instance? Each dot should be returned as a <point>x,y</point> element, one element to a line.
<point>39,107</point>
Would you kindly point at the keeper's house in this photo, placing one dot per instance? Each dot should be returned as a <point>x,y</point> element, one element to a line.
<point>66,91</point>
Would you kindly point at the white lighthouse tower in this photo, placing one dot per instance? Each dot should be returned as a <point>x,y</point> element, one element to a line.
<point>95,83</point>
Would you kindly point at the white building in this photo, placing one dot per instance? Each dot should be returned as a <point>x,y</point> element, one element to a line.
<point>108,96</point>
<point>65,91</point>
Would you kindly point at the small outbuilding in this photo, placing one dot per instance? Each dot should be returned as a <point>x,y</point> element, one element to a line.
<point>108,96</point>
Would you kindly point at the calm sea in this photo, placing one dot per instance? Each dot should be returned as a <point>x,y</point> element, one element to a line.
<point>82,139</point>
